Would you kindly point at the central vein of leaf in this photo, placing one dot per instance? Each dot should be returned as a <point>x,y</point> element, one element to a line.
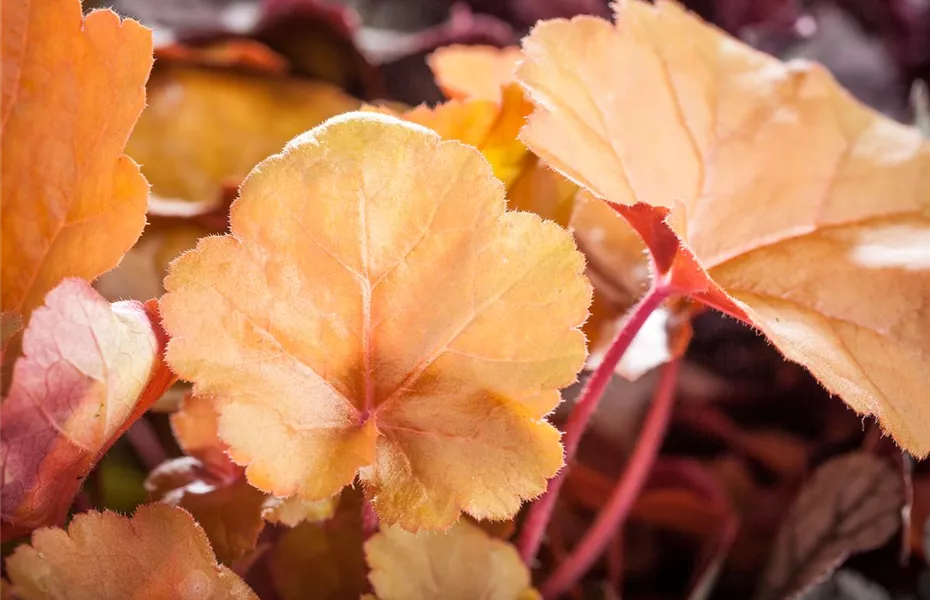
<point>369,400</point>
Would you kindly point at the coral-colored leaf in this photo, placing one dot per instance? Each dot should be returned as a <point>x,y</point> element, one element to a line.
<point>476,72</point>
<point>761,187</point>
<point>89,370</point>
<point>369,315</point>
<point>230,512</point>
<point>195,426</point>
<point>459,564</point>
<point>322,561</point>
<point>160,553</point>
<point>204,127</point>
<point>72,90</point>
<point>851,504</point>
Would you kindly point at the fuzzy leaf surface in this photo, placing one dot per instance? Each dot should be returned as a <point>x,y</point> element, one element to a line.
<point>320,328</point>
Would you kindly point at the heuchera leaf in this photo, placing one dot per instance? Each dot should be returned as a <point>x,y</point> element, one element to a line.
<point>459,564</point>
<point>491,127</point>
<point>762,189</point>
<point>474,72</point>
<point>850,504</point>
<point>208,484</point>
<point>230,511</point>
<point>322,561</point>
<point>319,329</point>
<point>89,370</point>
<point>73,204</point>
<point>204,128</point>
<point>160,553</point>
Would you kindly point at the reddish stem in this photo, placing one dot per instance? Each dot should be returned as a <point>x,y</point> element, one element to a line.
<point>540,513</point>
<point>592,545</point>
<point>143,439</point>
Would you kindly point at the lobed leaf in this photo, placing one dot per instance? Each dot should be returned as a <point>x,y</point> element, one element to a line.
<point>73,204</point>
<point>761,187</point>
<point>158,554</point>
<point>370,316</point>
<point>89,370</point>
<point>851,504</point>
<point>461,563</point>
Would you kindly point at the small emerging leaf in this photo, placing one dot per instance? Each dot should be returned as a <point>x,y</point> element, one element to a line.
<point>849,505</point>
<point>158,554</point>
<point>321,331</point>
<point>459,564</point>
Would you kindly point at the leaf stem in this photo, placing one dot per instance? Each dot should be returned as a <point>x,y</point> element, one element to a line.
<point>540,513</point>
<point>625,492</point>
<point>143,439</point>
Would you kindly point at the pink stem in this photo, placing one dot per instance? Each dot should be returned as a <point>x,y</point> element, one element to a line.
<point>143,439</point>
<point>626,490</point>
<point>539,514</point>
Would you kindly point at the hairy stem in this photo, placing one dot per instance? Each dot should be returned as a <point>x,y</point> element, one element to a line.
<point>625,492</point>
<point>537,519</point>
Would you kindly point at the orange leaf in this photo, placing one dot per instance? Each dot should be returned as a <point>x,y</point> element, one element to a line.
<point>230,511</point>
<point>462,563</point>
<point>492,127</point>
<point>401,325</point>
<point>160,553</point>
<point>762,188</point>
<point>90,370</point>
<point>195,426</point>
<point>73,204</point>
<point>205,127</point>
<point>475,72</point>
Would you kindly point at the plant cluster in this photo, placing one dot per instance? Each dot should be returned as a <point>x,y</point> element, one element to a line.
<point>362,339</point>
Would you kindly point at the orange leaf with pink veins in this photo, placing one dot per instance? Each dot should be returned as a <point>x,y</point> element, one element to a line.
<point>762,189</point>
<point>73,88</point>
<point>158,554</point>
<point>89,370</point>
<point>376,311</point>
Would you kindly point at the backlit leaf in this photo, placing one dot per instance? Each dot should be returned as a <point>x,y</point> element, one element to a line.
<point>320,327</point>
<point>89,370</point>
<point>851,504</point>
<point>204,128</point>
<point>476,72</point>
<point>459,564</point>
<point>761,187</point>
<point>73,87</point>
<point>160,553</point>
<point>490,126</point>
